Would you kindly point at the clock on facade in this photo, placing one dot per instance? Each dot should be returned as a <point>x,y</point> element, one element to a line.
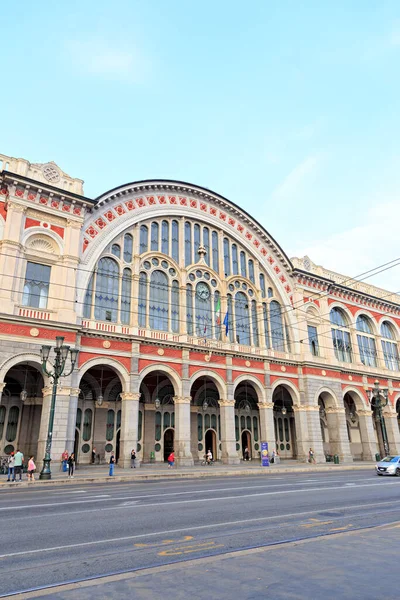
<point>203,291</point>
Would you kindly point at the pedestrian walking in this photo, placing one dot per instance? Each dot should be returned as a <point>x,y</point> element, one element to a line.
<point>171,460</point>
<point>18,465</point>
<point>112,464</point>
<point>246,454</point>
<point>10,467</point>
<point>31,468</point>
<point>133,459</point>
<point>94,455</point>
<point>64,458</point>
<point>71,465</point>
<point>311,458</point>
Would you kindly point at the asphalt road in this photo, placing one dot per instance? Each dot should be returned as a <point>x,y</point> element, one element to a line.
<point>56,535</point>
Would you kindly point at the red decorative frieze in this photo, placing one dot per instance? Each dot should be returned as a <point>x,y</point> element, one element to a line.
<point>277,269</point>
<point>19,192</point>
<point>100,223</point>
<point>287,288</point>
<point>183,201</point>
<point>31,223</point>
<point>32,196</point>
<point>193,203</point>
<point>256,243</point>
<point>240,228</point>
<point>203,207</point>
<point>222,216</point>
<point>130,205</point>
<point>140,202</point>
<point>231,221</point>
<point>66,207</point>
<point>213,211</point>
<point>59,230</point>
<point>77,210</point>
<point>3,211</point>
<point>283,279</point>
<point>55,204</point>
<point>91,231</point>
<point>172,199</point>
<point>249,235</point>
<point>162,200</point>
<point>43,200</point>
<point>45,225</point>
<point>109,215</point>
<point>264,252</point>
<point>119,209</point>
<point>151,200</point>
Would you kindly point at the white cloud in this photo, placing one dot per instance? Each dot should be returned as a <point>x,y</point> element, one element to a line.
<point>98,57</point>
<point>370,244</point>
<point>297,177</point>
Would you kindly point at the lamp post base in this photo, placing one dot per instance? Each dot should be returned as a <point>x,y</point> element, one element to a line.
<point>45,473</point>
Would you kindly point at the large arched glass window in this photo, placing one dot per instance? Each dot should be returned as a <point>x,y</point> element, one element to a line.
<point>254,323</point>
<point>188,244</point>
<point>366,343</point>
<point>276,326</point>
<point>126,296</point>
<point>107,290</point>
<point>144,235</point>
<point>217,313</point>
<point>116,250</point>
<point>175,241</point>
<point>142,299</point>
<point>389,347</point>
<point>196,239</point>
<point>251,271</point>
<point>154,237</point>
<point>235,263</point>
<point>231,332</point>
<point>340,335</point>
<point>227,258</point>
<point>165,237</point>
<point>266,325</point>
<point>159,301</point>
<point>262,285</point>
<point>243,269</point>
<point>128,247</point>
<point>204,324</point>
<point>215,252</point>
<point>242,319</point>
<point>175,307</point>
<point>206,244</point>
<point>87,306</point>
<point>189,308</point>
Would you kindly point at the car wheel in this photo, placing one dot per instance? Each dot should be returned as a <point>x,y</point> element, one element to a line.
<point>398,472</point>
<point>379,474</point>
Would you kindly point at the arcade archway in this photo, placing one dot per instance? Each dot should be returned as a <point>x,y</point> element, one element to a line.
<point>156,417</point>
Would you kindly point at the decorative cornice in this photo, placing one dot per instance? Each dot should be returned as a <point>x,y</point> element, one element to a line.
<point>126,396</point>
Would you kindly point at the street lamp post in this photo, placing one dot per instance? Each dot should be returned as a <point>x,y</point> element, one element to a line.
<point>379,398</point>
<point>62,352</point>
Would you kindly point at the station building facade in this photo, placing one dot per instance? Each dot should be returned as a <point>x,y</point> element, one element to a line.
<point>194,329</point>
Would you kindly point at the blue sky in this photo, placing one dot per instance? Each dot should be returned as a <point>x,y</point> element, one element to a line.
<point>290,109</point>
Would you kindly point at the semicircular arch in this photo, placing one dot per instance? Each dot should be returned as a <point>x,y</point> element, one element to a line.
<point>113,364</point>
<point>357,396</point>
<point>328,395</point>
<point>291,388</point>
<point>214,377</point>
<point>27,357</point>
<point>166,370</point>
<point>256,384</point>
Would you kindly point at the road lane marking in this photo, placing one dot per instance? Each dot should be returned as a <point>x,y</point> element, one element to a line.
<point>210,545</point>
<point>316,523</point>
<point>342,528</point>
<point>195,528</point>
<point>186,538</point>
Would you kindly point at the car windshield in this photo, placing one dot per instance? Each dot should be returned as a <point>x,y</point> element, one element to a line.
<point>390,459</point>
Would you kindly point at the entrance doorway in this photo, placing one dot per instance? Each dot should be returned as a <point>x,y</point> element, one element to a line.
<point>211,443</point>
<point>168,443</point>
<point>76,446</point>
<point>117,445</point>
<point>246,443</point>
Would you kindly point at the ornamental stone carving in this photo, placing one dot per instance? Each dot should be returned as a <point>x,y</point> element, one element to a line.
<point>126,396</point>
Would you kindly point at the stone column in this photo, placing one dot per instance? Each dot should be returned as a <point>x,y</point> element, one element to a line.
<point>267,428</point>
<point>301,427</point>
<point>315,434</point>
<point>73,406</point>
<point>229,453</point>
<point>60,425</point>
<point>338,437</point>
<point>183,455</point>
<point>392,430</point>
<point>367,434</point>
<point>129,427</point>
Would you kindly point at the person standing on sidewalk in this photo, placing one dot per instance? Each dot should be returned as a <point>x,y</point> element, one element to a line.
<point>171,460</point>
<point>71,465</point>
<point>112,464</point>
<point>18,465</point>
<point>64,458</point>
<point>311,458</point>
<point>133,459</point>
<point>31,469</point>
<point>10,464</point>
<point>94,455</point>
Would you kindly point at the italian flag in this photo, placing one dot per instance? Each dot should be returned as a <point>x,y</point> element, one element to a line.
<point>218,312</point>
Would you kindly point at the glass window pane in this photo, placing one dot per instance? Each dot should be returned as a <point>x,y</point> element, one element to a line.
<point>206,244</point>
<point>87,425</point>
<point>313,340</point>
<point>126,296</point>
<point>87,306</point>
<point>235,264</point>
<point>266,326</point>
<point>12,425</point>
<point>175,241</point>
<point>276,326</point>
<point>189,309</point>
<point>165,237</point>
<point>242,319</point>
<point>107,290</point>
<point>262,285</point>
<point>128,247</point>
<point>251,271</point>
<point>142,299</point>
<point>243,265</point>
<point>116,250</point>
<point>158,306</point>
<point>215,251</point>
<point>110,425</point>
<point>144,235</point>
<point>175,307</point>
<point>188,244</point>
<point>254,323</point>
<point>36,286</point>
<point>154,237</point>
<point>227,258</point>
<point>231,331</point>
<point>204,326</point>
<point>196,238</point>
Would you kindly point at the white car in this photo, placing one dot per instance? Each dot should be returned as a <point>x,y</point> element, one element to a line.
<point>390,465</point>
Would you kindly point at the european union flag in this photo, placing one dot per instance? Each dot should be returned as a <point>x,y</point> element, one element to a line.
<point>226,323</point>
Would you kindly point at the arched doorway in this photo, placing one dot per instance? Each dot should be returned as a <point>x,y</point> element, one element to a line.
<point>156,417</point>
<point>98,417</point>
<point>247,421</point>
<point>205,418</point>
<point>284,421</point>
<point>354,432</point>
<point>21,410</point>
<point>168,443</point>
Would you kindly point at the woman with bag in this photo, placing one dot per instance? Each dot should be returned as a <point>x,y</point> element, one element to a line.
<point>31,469</point>
<point>71,465</point>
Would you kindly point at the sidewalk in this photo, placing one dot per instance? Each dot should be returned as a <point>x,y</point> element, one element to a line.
<point>99,473</point>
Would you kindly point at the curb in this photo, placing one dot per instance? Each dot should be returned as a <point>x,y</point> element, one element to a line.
<point>187,475</point>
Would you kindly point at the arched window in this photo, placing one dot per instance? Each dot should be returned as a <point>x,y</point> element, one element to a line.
<point>158,306</point>
<point>128,247</point>
<point>188,244</point>
<point>142,299</point>
<point>242,319</point>
<point>107,290</point>
<point>175,307</point>
<point>12,425</point>
<point>389,347</point>
<point>217,313</point>
<point>254,323</point>
<point>196,239</point>
<point>227,258</point>
<point>215,252</point>
<point>206,244</point>
<point>110,425</point>
<point>204,325</point>
<point>276,326</point>
<point>262,285</point>
<point>144,235</point>
<point>165,237</point>
<point>251,271</point>
<point>243,269</point>
<point>175,241</point>
<point>270,292</point>
<point>189,308</point>
<point>126,296</point>
<point>87,425</point>
<point>235,263</point>
<point>340,335</point>
<point>366,343</point>
<point>154,237</point>
<point>116,250</point>
<point>87,306</point>
<point>231,332</point>
<point>266,325</point>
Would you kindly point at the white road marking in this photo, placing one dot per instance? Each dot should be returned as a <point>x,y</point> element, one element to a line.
<point>190,529</point>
